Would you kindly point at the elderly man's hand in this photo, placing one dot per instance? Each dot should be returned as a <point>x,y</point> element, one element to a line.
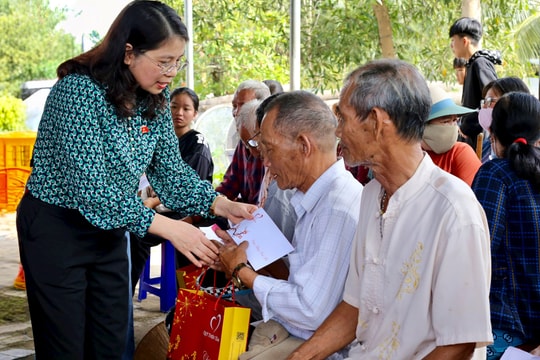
<point>224,236</point>
<point>232,255</point>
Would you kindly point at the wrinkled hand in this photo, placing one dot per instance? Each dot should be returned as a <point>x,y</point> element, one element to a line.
<point>232,255</point>
<point>224,236</point>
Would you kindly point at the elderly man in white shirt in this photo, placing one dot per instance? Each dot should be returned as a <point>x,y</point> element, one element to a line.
<point>298,144</point>
<point>418,283</point>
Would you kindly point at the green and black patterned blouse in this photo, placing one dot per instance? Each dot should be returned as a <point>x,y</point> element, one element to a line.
<point>87,158</point>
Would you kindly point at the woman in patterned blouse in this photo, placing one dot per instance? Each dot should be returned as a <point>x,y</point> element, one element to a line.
<point>106,122</point>
<point>508,188</point>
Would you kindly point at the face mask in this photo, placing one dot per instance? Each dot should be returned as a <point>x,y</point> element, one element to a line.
<point>484,117</point>
<point>440,138</point>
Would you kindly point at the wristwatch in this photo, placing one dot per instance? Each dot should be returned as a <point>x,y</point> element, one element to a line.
<point>236,279</point>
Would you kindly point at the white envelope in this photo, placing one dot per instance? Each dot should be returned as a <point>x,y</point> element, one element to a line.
<point>513,353</point>
<point>266,242</point>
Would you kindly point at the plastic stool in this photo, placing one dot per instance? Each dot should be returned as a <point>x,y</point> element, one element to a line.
<point>166,291</point>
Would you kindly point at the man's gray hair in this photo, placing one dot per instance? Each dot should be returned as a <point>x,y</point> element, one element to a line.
<point>304,112</point>
<point>259,88</point>
<point>247,116</point>
<point>395,87</point>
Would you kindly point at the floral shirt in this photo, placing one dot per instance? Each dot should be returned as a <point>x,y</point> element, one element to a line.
<point>87,158</point>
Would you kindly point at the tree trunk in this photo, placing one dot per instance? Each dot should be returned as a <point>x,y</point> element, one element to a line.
<point>385,29</point>
<point>471,8</point>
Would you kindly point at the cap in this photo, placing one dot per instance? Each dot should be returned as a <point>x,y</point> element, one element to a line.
<point>443,105</point>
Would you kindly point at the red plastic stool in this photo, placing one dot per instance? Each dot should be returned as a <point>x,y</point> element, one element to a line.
<point>167,290</point>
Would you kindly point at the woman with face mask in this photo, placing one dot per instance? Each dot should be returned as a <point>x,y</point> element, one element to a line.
<point>440,137</point>
<point>509,190</point>
<point>490,94</point>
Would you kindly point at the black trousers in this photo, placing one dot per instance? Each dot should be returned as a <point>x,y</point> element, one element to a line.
<point>77,283</point>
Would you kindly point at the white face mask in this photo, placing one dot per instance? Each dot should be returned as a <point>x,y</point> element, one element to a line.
<point>440,138</point>
<point>484,118</point>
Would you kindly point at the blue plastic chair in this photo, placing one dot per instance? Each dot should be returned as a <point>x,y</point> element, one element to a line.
<point>167,290</point>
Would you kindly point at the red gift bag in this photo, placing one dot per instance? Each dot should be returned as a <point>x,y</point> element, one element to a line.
<point>187,276</point>
<point>206,279</point>
<point>207,328</point>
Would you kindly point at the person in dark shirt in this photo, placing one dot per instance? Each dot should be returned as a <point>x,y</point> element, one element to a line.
<point>465,35</point>
<point>193,145</point>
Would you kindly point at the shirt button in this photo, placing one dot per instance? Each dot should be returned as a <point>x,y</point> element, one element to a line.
<point>375,310</point>
<point>132,139</point>
<point>132,149</point>
<point>376,261</point>
<point>129,117</point>
<point>129,128</point>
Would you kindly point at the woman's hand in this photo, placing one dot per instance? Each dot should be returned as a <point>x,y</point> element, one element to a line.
<point>151,202</point>
<point>187,239</point>
<point>232,210</point>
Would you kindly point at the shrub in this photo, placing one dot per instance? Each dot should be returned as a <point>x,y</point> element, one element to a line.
<point>12,113</point>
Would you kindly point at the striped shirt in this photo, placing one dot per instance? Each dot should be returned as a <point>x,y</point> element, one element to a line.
<point>327,216</point>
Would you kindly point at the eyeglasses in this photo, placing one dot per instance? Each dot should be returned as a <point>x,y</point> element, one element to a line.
<point>252,142</point>
<point>168,67</point>
<point>487,102</point>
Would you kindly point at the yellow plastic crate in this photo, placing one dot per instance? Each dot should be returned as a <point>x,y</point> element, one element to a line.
<point>15,154</point>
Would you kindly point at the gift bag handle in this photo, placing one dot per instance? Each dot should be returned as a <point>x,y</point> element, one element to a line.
<point>233,298</point>
<point>203,274</point>
<point>201,280</point>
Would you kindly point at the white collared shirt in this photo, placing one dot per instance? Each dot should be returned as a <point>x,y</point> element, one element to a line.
<point>425,281</point>
<point>327,219</point>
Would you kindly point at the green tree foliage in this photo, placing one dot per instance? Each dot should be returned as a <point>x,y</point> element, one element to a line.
<point>236,40</point>
<point>30,46</point>
<point>527,35</point>
<point>500,24</point>
<point>12,113</point>
<point>342,35</point>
